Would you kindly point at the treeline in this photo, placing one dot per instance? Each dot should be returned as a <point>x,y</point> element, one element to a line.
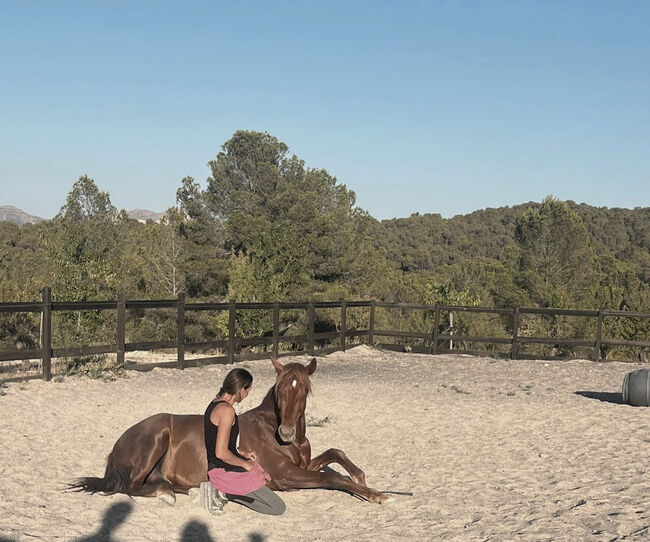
<point>266,227</point>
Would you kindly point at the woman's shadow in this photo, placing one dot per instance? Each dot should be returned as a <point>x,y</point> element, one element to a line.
<point>196,531</point>
<point>114,516</point>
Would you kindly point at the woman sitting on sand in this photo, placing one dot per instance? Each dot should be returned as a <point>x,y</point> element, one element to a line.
<point>233,475</point>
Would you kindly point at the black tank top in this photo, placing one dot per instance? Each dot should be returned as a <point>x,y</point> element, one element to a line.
<point>211,432</point>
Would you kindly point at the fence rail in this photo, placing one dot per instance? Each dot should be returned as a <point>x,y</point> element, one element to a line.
<point>431,341</point>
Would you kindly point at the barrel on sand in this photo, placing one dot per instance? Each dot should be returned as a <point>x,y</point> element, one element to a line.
<point>636,388</point>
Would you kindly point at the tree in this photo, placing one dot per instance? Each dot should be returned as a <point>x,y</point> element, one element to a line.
<point>85,246</point>
<point>245,173</point>
<point>86,202</point>
<point>163,257</point>
<point>296,221</point>
<point>204,258</point>
<point>83,242</point>
<point>557,262</point>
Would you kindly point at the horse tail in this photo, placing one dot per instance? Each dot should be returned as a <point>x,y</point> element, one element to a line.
<point>116,479</point>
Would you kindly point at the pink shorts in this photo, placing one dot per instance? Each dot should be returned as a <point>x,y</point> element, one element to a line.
<point>239,483</point>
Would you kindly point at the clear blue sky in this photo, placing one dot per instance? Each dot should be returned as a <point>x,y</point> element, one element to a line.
<point>441,106</point>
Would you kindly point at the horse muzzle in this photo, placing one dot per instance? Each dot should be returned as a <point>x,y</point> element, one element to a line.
<point>287,435</point>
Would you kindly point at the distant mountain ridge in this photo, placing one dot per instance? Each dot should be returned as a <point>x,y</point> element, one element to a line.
<point>9,213</point>
<point>142,215</point>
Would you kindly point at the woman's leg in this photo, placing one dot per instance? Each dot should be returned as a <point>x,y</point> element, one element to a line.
<point>262,500</point>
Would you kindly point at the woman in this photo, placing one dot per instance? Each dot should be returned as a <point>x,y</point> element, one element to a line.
<point>233,475</point>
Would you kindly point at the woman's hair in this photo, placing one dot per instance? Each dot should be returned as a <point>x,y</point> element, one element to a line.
<point>236,380</point>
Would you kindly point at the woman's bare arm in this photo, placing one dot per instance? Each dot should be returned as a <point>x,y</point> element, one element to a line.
<point>223,417</point>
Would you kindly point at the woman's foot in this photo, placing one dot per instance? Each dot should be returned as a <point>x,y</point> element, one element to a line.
<point>211,499</point>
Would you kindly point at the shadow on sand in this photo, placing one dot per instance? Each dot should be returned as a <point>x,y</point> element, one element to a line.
<point>604,396</point>
<point>196,531</point>
<point>116,514</point>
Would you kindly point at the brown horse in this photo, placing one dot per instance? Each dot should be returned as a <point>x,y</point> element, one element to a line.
<point>165,453</point>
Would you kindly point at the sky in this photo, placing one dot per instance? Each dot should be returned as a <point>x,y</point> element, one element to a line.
<point>418,107</point>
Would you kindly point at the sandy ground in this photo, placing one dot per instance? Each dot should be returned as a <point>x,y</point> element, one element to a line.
<point>491,449</point>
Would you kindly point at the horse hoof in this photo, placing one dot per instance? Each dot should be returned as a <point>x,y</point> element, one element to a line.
<point>167,499</point>
<point>194,493</point>
<point>380,498</point>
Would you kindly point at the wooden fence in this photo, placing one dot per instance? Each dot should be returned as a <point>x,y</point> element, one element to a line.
<point>430,342</point>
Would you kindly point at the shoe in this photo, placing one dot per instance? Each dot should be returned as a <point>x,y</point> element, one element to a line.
<point>210,499</point>
<point>219,500</point>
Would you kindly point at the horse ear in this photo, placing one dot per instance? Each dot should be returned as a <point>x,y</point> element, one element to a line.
<point>312,366</point>
<point>278,366</point>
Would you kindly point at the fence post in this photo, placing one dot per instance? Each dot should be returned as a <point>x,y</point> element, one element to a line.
<point>276,328</point>
<point>514,348</point>
<point>232,317</point>
<point>599,336</point>
<point>371,330</point>
<point>121,327</point>
<point>180,320</point>
<point>436,331</point>
<point>46,333</point>
<point>310,327</point>
<point>343,324</point>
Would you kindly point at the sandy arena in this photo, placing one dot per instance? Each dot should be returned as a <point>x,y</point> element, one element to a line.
<point>491,449</point>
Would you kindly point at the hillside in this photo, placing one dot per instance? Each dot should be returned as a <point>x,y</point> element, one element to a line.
<point>9,213</point>
<point>427,242</point>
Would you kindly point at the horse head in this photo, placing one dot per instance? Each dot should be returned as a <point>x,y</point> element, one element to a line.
<point>292,386</point>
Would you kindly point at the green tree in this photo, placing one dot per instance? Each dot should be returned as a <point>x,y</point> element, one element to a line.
<point>163,257</point>
<point>83,242</point>
<point>557,262</point>
<point>204,258</point>
<point>296,221</point>
<point>245,174</point>
<point>84,245</point>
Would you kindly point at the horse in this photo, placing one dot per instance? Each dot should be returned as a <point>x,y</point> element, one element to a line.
<point>164,454</point>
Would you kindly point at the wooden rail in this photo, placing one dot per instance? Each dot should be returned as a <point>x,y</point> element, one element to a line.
<point>431,341</point>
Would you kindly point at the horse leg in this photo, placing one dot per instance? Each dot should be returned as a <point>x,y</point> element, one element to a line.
<point>289,476</point>
<point>337,456</point>
<point>146,453</point>
<point>155,486</point>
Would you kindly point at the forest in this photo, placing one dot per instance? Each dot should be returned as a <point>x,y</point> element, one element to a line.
<point>267,227</point>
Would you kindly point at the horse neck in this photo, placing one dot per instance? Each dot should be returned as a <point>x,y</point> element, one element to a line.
<point>268,403</point>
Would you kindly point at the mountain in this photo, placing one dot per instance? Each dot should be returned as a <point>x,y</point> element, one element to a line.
<point>142,215</point>
<point>10,213</point>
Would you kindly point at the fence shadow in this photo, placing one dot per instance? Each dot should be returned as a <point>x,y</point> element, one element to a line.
<point>603,396</point>
<point>114,516</point>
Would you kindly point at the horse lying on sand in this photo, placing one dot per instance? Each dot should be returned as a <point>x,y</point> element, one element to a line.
<point>165,453</point>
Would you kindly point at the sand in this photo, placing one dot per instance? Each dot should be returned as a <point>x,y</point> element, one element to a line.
<point>491,449</point>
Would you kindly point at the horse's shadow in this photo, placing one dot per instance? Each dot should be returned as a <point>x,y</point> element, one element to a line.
<point>604,396</point>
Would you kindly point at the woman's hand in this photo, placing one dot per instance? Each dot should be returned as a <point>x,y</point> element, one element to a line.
<point>248,455</point>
